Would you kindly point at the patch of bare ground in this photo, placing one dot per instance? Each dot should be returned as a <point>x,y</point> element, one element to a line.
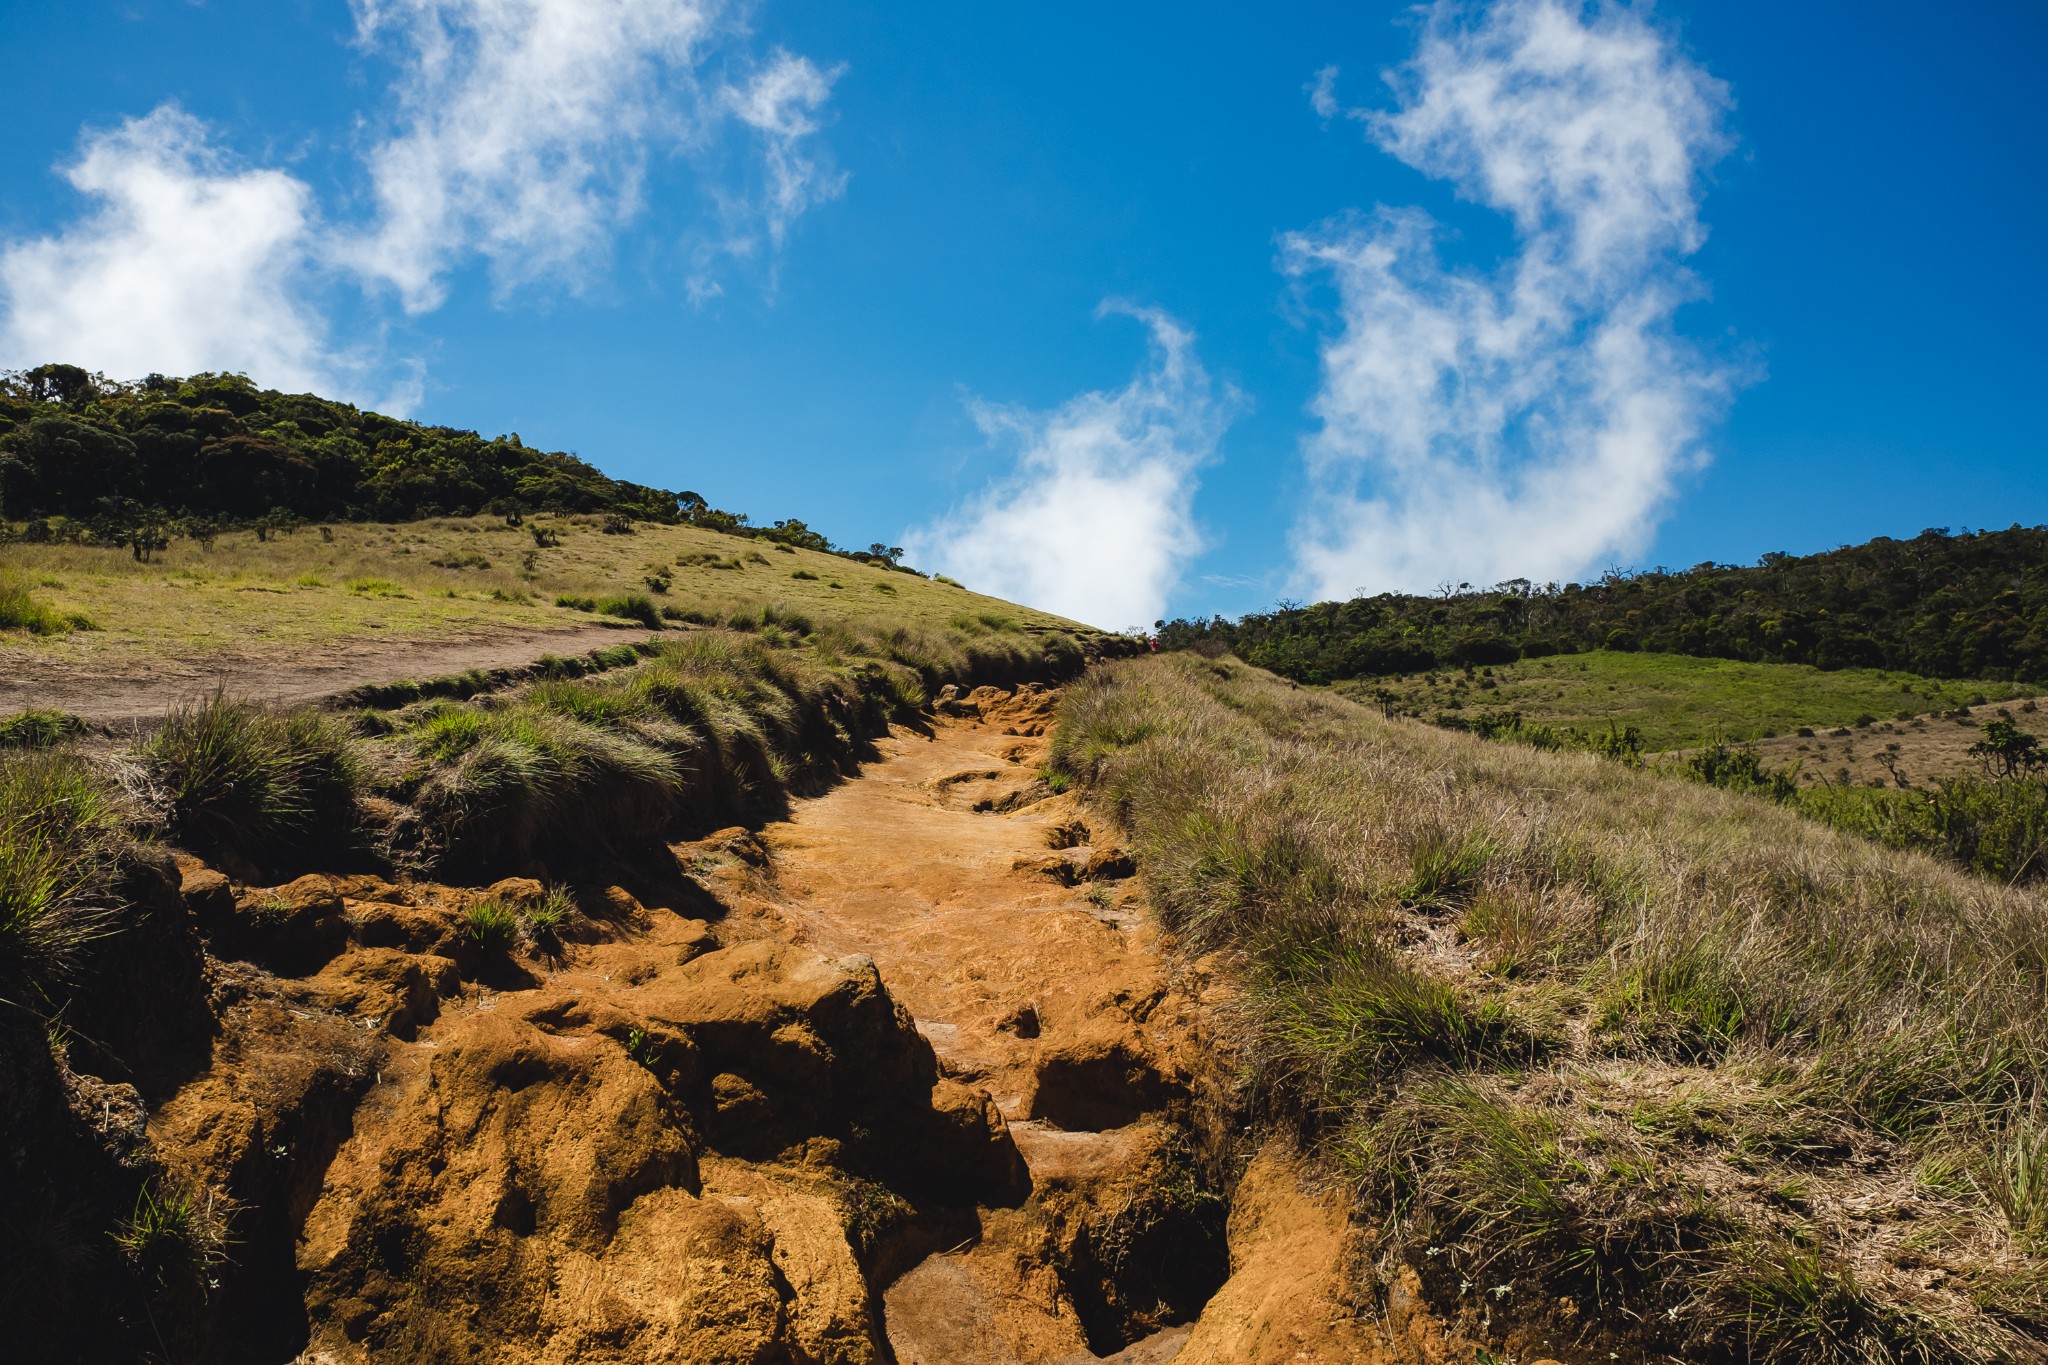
<point>1919,751</point>
<point>119,691</point>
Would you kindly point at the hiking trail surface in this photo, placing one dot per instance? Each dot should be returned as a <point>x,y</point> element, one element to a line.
<point>907,1076</point>
<point>1005,918</point>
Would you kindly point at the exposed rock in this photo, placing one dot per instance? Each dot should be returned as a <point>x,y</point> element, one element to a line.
<point>386,988</point>
<point>294,929</point>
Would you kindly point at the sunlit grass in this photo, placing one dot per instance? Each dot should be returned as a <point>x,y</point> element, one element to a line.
<point>381,581</point>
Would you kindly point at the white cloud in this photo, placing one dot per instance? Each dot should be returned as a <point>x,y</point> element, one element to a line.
<point>781,103</point>
<point>1529,422</point>
<point>1322,93</point>
<point>185,263</point>
<point>1095,520</point>
<point>522,132</point>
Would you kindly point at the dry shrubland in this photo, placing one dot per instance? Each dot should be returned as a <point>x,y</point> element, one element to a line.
<point>1648,1064</point>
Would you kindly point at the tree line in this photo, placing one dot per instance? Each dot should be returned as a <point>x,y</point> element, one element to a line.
<point>1967,605</point>
<point>86,458</point>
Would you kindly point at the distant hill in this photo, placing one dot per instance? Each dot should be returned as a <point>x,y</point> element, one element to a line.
<point>1973,605</point>
<point>103,455</point>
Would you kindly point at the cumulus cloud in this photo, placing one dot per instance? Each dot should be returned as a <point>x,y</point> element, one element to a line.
<point>517,132</point>
<point>1095,519</point>
<point>1530,421</point>
<point>185,262</point>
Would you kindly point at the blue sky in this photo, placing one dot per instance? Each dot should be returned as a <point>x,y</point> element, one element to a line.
<point>849,262</point>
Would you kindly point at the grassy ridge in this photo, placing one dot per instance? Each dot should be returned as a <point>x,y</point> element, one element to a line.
<point>452,577</point>
<point>697,728</point>
<point>1734,1085</point>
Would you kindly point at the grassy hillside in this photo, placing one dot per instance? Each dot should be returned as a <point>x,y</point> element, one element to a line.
<point>449,576</point>
<point>1654,1068</point>
<point>1674,701</point>
<point>1940,605</point>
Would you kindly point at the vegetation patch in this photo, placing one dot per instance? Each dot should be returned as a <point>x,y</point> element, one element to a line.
<point>22,610</point>
<point>59,831</point>
<point>1671,701</point>
<point>38,728</point>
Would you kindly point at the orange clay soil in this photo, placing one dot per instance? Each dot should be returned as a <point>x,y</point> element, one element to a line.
<point>904,1078</point>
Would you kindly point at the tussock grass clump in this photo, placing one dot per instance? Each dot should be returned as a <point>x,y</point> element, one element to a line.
<point>1738,1085</point>
<point>490,926</point>
<point>261,783</point>
<point>176,1233</point>
<point>500,778</point>
<point>632,606</point>
<point>22,610</point>
<point>58,831</point>
<point>38,728</point>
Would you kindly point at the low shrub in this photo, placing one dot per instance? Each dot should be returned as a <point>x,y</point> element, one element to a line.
<point>263,784</point>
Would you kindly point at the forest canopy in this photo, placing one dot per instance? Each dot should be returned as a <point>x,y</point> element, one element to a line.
<point>1972,605</point>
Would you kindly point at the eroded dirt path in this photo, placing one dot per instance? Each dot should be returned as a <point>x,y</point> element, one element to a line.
<point>1006,925</point>
<point>773,1102</point>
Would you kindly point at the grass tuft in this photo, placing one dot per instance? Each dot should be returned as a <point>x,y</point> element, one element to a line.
<point>39,729</point>
<point>58,829</point>
<point>263,784</point>
<point>21,610</point>
<point>490,926</point>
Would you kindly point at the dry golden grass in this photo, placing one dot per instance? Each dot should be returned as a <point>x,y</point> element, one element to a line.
<point>279,597</point>
<point>1730,1084</point>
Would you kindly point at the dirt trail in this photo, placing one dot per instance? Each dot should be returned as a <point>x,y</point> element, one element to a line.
<point>117,696</point>
<point>999,919</point>
<point>773,1101</point>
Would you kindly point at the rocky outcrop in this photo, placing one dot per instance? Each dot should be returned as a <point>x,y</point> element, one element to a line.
<point>652,1147</point>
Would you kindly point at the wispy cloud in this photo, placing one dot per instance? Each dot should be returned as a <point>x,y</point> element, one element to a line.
<point>520,133</point>
<point>781,103</point>
<point>1530,421</point>
<point>1322,93</point>
<point>1094,519</point>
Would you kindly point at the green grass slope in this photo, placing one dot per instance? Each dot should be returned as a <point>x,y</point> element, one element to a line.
<point>1662,1071</point>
